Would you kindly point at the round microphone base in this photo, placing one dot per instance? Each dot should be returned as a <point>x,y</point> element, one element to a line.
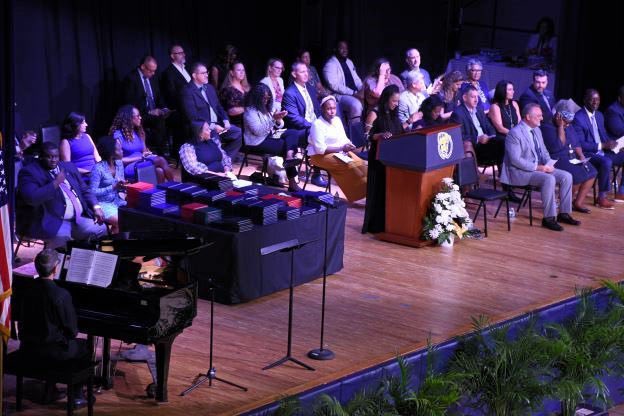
<point>321,354</point>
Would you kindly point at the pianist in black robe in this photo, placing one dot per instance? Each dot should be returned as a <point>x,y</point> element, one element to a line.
<point>47,319</point>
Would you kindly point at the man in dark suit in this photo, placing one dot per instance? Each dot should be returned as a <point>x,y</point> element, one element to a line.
<point>478,133</point>
<point>54,203</point>
<point>596,143</point>
<point>141,90</point>
<point>538,94</point>
<point>199,102</point>
<point>614,116</point>
<point>301,102</point>
<point>172,80</point>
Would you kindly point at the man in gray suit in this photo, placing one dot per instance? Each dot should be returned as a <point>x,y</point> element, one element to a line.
<point>527,162</point>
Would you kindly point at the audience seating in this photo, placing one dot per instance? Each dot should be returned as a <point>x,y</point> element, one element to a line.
<point>264,158</point>
<point>308,172</point>
<point>145,171</point>
<point>70,372</point>
<point>467,176</point>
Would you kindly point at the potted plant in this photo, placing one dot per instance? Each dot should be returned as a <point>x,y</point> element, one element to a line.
<point>447,216</point>
<point>499,374</point>
<point>583,349</point>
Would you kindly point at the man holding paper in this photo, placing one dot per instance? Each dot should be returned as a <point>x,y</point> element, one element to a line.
<point>527,162</point>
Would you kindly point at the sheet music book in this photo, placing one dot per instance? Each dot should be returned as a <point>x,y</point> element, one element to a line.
<point>29,270</point>
<point>91,267</point>
<point>619,146</point>
<point>343,157</point>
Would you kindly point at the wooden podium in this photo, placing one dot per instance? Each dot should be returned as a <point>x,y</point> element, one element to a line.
<point>415,164</point>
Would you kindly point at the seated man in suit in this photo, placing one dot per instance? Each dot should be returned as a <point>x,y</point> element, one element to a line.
<point>172,80</point>
<point>527,162</point>
<point>141,90</point>
<point>199,102</point>
<point>477,131</point>
<point>614,116</point>
<point>589,124</point>
<point>54,203</point>
<point>301,103</point>
<point>538,94</point>
<point>47,319</point>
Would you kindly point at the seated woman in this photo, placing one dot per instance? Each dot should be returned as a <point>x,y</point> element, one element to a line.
<point>314,80</point>
<point>543,43</point>
<point>450,93</point>
<point>431,109</point>
<point>76,145</point>
<point>219,69</point>
<point>380,77</point>
<point>561,144</point>
<point>504,111</point>
<point>232,94</point>
<point>327,138</point>
<point>203,153</point>
<point>107,180</point>
<point>274,81</point>
<point>474,69</point>
<point>128,130</point>
<point>386,124</point>
<point>261,123</point>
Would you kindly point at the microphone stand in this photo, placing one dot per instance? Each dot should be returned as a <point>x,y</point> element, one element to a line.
<point>323,353</point>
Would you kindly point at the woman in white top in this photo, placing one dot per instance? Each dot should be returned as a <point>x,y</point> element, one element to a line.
<point>330,149</point>
<point>264,131</point>
<point>274,81</point>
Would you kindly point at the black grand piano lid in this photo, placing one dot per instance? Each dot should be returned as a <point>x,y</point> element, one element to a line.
<point>146,243</point>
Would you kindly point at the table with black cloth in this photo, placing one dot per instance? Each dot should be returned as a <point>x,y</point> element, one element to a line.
<point>234,261</point>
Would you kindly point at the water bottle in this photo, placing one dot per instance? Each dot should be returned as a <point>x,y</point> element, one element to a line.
<point>570,152</point>
<point>512,213</point>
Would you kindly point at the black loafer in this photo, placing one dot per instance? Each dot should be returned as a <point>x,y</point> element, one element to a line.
<point>551,224</point>
<point>567,219</point>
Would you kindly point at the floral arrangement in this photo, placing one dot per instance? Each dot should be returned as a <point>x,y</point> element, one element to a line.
<point>447,215</point>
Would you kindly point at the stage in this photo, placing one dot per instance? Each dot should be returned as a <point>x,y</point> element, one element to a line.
<point>386,301</point>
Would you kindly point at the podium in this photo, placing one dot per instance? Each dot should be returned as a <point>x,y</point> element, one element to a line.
<point>415,164</point>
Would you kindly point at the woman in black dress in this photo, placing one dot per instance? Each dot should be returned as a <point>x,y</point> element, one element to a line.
<point>385,125</point>
<point>504,112</point>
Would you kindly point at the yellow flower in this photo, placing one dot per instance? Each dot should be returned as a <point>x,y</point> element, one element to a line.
<point>459,231</point>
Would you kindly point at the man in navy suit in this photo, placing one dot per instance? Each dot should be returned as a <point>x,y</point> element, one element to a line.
<point>54,203</point>
<point>596,143</point>
<point>141,90</point>
<point>301,102</point>
<point>172,80</point>
<point>199,102</point>
<point>538,94</point>
<point>478,133</point>
<point>614,116</point>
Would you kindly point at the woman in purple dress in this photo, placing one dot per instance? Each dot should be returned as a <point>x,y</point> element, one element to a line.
<point>76,145</point>
<point>128,130</point>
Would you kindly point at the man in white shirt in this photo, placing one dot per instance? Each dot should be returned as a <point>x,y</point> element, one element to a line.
<point>344,82</point>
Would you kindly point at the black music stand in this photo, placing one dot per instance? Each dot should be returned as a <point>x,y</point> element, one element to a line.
<point>290,245</point>
<point>323,353</point>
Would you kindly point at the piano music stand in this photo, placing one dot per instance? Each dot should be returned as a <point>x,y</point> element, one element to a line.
<point>211,374</point>
<point>290,245</point>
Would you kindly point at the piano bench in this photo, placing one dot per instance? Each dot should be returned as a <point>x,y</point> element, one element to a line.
<point>69,372</point>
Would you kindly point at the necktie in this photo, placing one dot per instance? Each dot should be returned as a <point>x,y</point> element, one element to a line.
<point>148,93</point>
<point>309,114</point>
<point>546,103</point>
<point>595,128</point>
<point>75,202</point>
<point>538,149</point>
<point>213,115</point>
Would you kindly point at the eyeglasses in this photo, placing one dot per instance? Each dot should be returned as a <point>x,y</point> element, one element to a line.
<point>476,70</point>
<point>278,67</point>
<point>178,53</point>
<point>136,115</point>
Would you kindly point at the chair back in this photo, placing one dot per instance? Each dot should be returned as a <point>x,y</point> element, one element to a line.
<point>51,134</point>
<point>356,133</point>
<point>145,171</point>
<point>466,172</point>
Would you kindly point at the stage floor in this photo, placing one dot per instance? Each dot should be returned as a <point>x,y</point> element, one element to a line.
<point>388,299</point>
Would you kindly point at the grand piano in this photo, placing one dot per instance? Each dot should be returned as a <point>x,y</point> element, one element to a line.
<point>133,308</point>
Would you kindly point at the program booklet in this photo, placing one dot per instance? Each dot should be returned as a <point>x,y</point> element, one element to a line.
<point>619,145</point>
<point>343,157</point>
<point>91,267</point>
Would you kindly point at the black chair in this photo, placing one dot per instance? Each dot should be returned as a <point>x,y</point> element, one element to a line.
<point>51,134</point>
<point>526,198</point>
<point>145,171</point>
<point>467,176</point>
<point>262,157</point>
<point>485,164</point>
<point>359,139</point>
<point>308,171</point>
<point>69,372</point>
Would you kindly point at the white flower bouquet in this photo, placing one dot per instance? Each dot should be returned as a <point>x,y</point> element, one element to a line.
<point>447,214</point>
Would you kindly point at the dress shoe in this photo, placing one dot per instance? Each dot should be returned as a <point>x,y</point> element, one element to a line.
<point>318,180</point>
<point>567,219</point>
<point>53,394</point>
<point>551,224</point>
<point>513,197</point>
<point>580,209</point>
<point>294,188</point>
<point>604,203</point>
<point>291,163</point>
<point>81,402</point>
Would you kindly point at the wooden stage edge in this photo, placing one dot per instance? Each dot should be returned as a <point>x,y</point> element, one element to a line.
<point>387,300</point>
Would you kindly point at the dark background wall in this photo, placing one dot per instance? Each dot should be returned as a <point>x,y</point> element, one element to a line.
<point>72,54</point>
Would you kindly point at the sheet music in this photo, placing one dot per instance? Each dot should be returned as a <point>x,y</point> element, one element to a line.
<point>103,269</point>
<point>80,265</point>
